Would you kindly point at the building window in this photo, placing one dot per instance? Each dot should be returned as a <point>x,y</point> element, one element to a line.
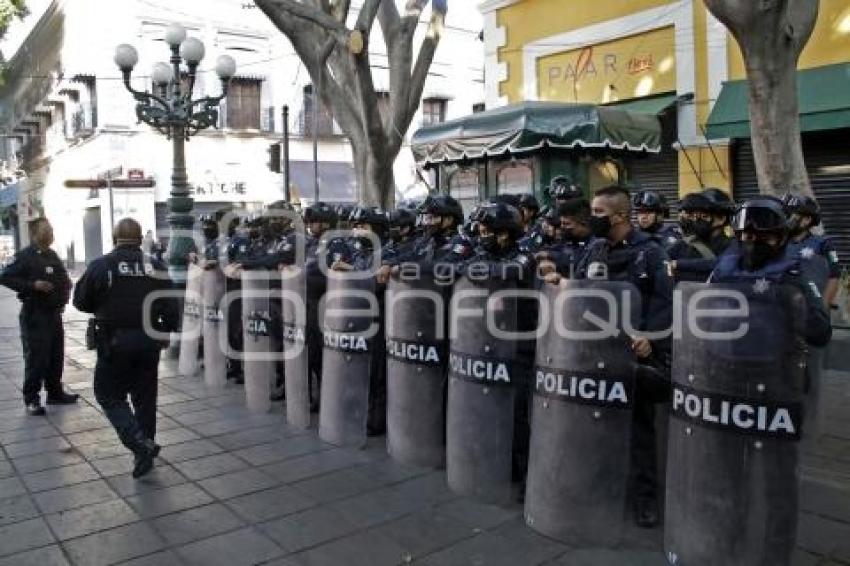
<point>433,111</point>
<point>243,104</point>
<point>515,179</point>
<point>480,107</point>
<point>463,185</point>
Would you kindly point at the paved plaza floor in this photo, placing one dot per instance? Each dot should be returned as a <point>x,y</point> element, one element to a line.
<point>232,488</point>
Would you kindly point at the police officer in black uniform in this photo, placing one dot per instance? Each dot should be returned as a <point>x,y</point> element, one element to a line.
<point>237,245</point>
<point>652,209</point>
<point>43,286</point>
<point>563,256</point>
<point>441,241</point>
<point>402,236</point>
<point>694,256</point>
<point>319,249</point>
<point>370,228</point>
<point>500,227</point>
<point>114,289</point>
<point>804,215</point>
<point>624,253</point>
<point>561,189</point>
<point>762,231</point>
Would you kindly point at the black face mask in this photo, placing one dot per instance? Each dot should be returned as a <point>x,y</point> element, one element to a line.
<point>755,254</point>
<point>490,243</point>
<point>396,235</point>
<point>600,226</point>
<point>700,228</point>
<point>210,233</point>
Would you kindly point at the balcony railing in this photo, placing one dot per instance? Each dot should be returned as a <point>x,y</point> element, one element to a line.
<point>327,128</point>
<point>84,121</point>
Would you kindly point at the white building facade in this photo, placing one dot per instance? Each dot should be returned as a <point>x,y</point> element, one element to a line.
<point>67,117</point>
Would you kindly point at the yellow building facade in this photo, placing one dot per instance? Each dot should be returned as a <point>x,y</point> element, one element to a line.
<point>639,53</point>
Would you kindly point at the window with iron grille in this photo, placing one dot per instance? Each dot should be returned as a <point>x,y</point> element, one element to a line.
<point>243,104</point>
<point>478,107</point>
<point>433,111</point>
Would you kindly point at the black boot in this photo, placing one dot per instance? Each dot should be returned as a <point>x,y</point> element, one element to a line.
<point>144,456</point>
<point>646,512</point>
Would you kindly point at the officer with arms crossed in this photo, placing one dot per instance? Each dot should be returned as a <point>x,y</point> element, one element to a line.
<point>43,287</point>
<point>114,289</point>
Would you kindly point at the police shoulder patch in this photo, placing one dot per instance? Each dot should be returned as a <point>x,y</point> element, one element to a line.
<point>459,248</point>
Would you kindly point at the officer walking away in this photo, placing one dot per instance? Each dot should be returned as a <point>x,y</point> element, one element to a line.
<point>43,286</point>
<point>632,256</point>
<point>804,216</point>
<point>652,210</point>
<point>762,231</point>
<point>114,288</point>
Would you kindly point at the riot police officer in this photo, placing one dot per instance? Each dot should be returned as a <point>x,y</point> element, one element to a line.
<point>652,210</point>
<point>804,215</point>
<point>500,227</point>
<point>564,255</point>
<point>694,256</point>
<point>529,208</point>
<point>43,286</point>
<point>318,218</point>
<point>561,189</point>
<point>441,241</point>
<point>237,246</point>
<point>762,232</point>
<point>402,236</point>
<point>627,254</point>
<point>114,288</point>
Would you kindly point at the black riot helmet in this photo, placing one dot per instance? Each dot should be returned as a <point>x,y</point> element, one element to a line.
<point>722,203</point>
<point>507,198</point>
<point>442,205</point>
<point>373,216</point>
<point>402,218</point>
<point>696,202</point>
<point>650,201</point>
<point>530,202</point>
<point>563,188</point>
<point>802,205</point>
<point>321,212</point>
<point>499,217</point>
<point>761,214</point>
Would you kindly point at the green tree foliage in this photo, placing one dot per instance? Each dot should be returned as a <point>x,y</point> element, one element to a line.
<point>9,10</point>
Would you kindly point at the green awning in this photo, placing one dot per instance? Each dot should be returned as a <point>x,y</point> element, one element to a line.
<point>648,105</point>
<point>824,95</point>
<point>528,126</point>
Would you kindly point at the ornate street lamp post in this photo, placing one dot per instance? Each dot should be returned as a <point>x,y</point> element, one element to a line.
<point>171,111</point>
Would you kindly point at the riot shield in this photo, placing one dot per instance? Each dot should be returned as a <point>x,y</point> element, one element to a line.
<point>190,331</point>
<point>215,361</point>
<point>416,371</point>
<point>581,422</point>
<point>481,392</point>
<point>346,359</point>
<point>733,452</point>
<point>258,363</point>
<point>295,347</point>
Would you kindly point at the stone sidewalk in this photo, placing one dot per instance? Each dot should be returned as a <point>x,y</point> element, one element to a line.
<point>233,488</point>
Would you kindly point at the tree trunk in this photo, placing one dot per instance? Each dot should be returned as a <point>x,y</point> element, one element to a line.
<point>772,35</point>
<point>374,177</point>
<point>775,123</point>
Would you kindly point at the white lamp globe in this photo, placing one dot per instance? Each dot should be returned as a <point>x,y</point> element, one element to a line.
<point>161,74</point>
<point>175,34</point>
<point>126,57</point>
<point>192,50</point>
<point>225,67</point>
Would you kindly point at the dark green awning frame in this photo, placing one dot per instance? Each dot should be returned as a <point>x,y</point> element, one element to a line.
<point>528,126</point>
<point>824,95</point>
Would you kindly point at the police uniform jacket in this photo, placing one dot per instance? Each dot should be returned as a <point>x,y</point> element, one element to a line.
<point>30,265</point>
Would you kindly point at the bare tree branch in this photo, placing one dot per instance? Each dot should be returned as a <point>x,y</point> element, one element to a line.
<point>311,14</point>
<point>367,15</point>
